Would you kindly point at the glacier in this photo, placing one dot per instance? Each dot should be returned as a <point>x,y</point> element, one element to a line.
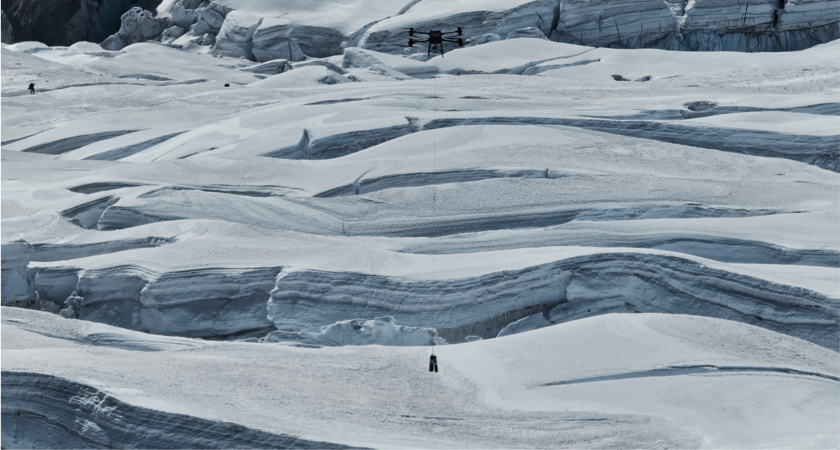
<point>260,31</point>
<point>252,229</point>
<point>599,382</point>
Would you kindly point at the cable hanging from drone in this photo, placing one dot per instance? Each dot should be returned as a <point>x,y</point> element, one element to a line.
<point>435,39</point>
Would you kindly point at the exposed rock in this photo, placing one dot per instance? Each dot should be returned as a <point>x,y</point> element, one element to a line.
<point>56,22</point>
<point>7,30</point>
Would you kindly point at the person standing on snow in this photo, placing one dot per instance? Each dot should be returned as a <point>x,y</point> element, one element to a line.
<point>433,367</point>
<point>31,88</point>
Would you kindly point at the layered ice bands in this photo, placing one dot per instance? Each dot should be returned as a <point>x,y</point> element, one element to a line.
<point>258,31</point>
<point>261,228</point>
<point>459,184</point>
<point>43,411</point>
<point>561,291</point>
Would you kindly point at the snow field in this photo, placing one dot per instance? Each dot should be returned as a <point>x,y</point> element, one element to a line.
<point>679,232</point>
<point>597,382</point>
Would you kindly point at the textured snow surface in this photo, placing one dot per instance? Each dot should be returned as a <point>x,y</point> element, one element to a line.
<point>618,380</point>
<point>344,213</point>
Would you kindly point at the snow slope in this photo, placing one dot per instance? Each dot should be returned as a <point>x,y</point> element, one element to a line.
<point>605,382</point>
<point>418,198</point>
<point>353,204</point>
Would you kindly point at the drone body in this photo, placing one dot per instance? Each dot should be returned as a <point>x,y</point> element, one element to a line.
<point>435,39</point>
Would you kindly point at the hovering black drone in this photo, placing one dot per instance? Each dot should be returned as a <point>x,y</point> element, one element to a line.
<point>435,39</point>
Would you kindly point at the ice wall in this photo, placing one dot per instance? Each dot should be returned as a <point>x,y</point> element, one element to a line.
<point>702,25</point>
<point>490,305</point>
<point>203,302</point>
<point>262,32</point>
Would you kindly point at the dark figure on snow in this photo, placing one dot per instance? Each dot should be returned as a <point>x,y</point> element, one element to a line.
<point>433,363</point>
<point>31,88</point>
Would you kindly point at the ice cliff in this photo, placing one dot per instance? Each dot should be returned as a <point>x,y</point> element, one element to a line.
<point>260,32</point>
<point>561,291</point>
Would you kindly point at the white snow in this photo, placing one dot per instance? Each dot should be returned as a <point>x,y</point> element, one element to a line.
<point>608,381</point>
<point>371,205</point>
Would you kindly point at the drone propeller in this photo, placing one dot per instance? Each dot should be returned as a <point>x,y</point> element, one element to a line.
<point>435,39</point>
<point>458,41</point>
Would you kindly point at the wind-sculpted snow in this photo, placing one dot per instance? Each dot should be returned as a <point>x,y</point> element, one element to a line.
<point>604,382</point>
<point>821,151</point>
<point>719,249</point>
<point>44,411</point>
<point>672,371</point>
<point>69,144</point>
<point>414,169</point>
<point>363,186</point>
<point>608,248</point>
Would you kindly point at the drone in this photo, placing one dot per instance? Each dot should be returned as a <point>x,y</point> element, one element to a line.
<point>435,39</point>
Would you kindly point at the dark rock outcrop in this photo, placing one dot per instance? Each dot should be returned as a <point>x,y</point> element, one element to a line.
<point>64,22</point>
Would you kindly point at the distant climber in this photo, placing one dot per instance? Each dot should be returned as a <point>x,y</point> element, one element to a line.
<point>433,363</point>
<point>31,88</point>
